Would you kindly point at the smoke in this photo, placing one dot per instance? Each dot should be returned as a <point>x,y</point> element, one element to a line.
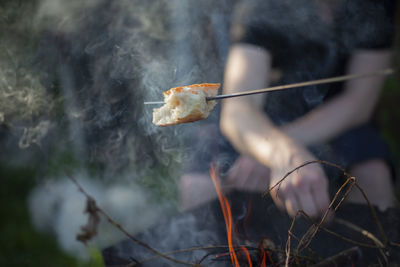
<point>74,76</point>
<point>73,79</point>
<point>116,55</point>
<point>24,103</point>
<point>57,207</point>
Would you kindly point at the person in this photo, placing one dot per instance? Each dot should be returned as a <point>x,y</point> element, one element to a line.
<point>281,42</point>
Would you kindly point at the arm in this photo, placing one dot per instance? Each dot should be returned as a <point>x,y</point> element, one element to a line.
<point>349,109</point>
<point>244,123</point>
<point>247,68</point>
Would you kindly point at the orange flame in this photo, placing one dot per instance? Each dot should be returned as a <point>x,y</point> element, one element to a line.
<point>246,252</point>
<point>270,257</point>
<point>226,210</point>
<point>263,259</point>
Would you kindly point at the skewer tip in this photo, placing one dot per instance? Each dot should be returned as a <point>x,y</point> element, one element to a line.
<point>153,102</point>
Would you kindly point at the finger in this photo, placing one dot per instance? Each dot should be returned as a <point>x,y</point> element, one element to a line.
<point>302,184</point>
<point>307,203</point>
<point>322,201</point>
<point>278,198</point>
<point>319,191</point>
<point>292,204</point>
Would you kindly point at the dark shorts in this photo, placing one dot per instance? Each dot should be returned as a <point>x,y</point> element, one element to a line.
<point>353,147</point>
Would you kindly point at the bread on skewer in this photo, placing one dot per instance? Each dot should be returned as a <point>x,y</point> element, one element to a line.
<point>186,104</point>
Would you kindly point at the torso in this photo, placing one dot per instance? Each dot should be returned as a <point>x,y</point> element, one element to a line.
<point>310,40</point>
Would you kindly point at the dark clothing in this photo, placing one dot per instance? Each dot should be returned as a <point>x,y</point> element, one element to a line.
<point>355,146</point>
<point>305,46</point>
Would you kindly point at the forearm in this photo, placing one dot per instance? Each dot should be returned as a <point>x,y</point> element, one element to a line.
<point>252,133</point>
<point>249,129</point>
<point>326,122</point>
<point>242,119</point>
<point>349,109</point>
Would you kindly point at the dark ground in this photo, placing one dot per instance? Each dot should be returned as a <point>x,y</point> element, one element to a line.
<point>262,220</point>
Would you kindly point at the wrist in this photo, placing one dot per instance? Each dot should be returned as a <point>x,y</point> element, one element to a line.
<point>280,149</point>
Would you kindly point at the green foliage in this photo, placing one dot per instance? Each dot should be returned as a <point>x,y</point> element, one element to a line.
<point>20,244</point>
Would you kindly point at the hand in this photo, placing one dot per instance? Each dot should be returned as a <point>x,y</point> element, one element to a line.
<point>305,189</point>
<point>248,174</point>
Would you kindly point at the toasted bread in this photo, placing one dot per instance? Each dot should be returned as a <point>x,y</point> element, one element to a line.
<point>186,104</point>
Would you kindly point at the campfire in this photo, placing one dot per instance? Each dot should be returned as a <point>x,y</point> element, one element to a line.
<point>243,229</point>
<point>79,81</point>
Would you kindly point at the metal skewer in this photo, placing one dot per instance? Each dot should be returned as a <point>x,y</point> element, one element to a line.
<point>154,102</point>
<point>294,85</point>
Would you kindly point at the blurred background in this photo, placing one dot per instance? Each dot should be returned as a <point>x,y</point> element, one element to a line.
<point>73,78</point>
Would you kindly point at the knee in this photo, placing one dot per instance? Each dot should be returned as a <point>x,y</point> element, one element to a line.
<point>375,179</point>
<point>373,171</point>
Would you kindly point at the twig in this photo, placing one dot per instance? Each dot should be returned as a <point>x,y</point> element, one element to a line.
<point>287,261</point>
<point>340,259</point>
<point>291,234</point>
<point>338,235</point>
<point>353,181</point>
<point>121,229</point>
<point>303,165</point>
<point>348,239</point>
<point>360,230</point>
<point>307,243</point>
<point>287,248</point>
<point>366,233</point>
<point>177,252</point>
<point>250,248</point>
<point>204,257</point>
<point>349,179</point>
<point>373,212</point>
<point>394,244</point>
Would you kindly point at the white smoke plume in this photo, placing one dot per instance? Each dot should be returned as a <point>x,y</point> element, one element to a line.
<point>80,88</point>
<point>57,207</point>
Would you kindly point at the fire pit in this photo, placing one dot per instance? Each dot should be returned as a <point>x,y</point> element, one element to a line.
<point>261,232</point>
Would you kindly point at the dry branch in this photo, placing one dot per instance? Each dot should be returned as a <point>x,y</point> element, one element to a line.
<point>307,238</point>
<point>291,256</point>
<point>340,259</point>
<point>89,230</point>
<point>120,228</point>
